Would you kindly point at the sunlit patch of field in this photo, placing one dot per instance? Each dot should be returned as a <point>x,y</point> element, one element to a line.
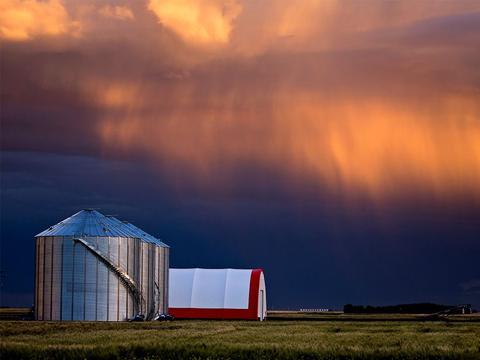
<point>290,339</point>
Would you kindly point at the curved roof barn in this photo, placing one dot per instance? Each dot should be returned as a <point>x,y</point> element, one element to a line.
<point>217,294</point>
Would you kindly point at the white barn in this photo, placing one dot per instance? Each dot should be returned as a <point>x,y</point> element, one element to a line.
<point>217,294</point>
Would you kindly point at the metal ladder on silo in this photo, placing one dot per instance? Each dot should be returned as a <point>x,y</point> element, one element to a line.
<point>122,275</point>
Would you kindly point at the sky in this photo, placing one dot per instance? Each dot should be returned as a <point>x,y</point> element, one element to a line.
<point>333,143</point>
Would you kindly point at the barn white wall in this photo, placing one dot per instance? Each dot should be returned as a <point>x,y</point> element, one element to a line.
<point>209,288</point>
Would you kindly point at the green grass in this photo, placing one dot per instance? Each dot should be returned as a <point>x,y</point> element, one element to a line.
<point>241,340</point>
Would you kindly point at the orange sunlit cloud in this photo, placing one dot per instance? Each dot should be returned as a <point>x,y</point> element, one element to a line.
<point>198,21</point>
<point>325,24</point>
<point>26,19</point>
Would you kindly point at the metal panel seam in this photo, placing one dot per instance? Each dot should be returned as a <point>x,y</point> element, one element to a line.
<point>51,279</point>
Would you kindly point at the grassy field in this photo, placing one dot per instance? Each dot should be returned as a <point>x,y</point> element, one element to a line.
<point>241,340</point>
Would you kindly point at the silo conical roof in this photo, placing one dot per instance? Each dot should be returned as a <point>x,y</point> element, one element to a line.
<point>90,222</point>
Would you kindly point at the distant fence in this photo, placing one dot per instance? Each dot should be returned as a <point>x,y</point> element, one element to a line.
<point>314,310</point>
<point>418,308</point>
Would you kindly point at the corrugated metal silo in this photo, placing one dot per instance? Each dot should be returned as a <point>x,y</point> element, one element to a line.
<point>96,267</point>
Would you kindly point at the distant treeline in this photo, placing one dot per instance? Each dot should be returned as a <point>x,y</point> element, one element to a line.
<point>421,308</point>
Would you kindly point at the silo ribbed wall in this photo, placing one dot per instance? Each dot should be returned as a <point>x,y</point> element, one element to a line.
<point>72,283</point>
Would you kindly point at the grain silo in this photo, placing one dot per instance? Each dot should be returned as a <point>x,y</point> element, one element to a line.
<point>96,267</point>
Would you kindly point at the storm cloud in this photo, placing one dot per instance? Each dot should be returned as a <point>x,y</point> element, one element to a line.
<point>347,130</point>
